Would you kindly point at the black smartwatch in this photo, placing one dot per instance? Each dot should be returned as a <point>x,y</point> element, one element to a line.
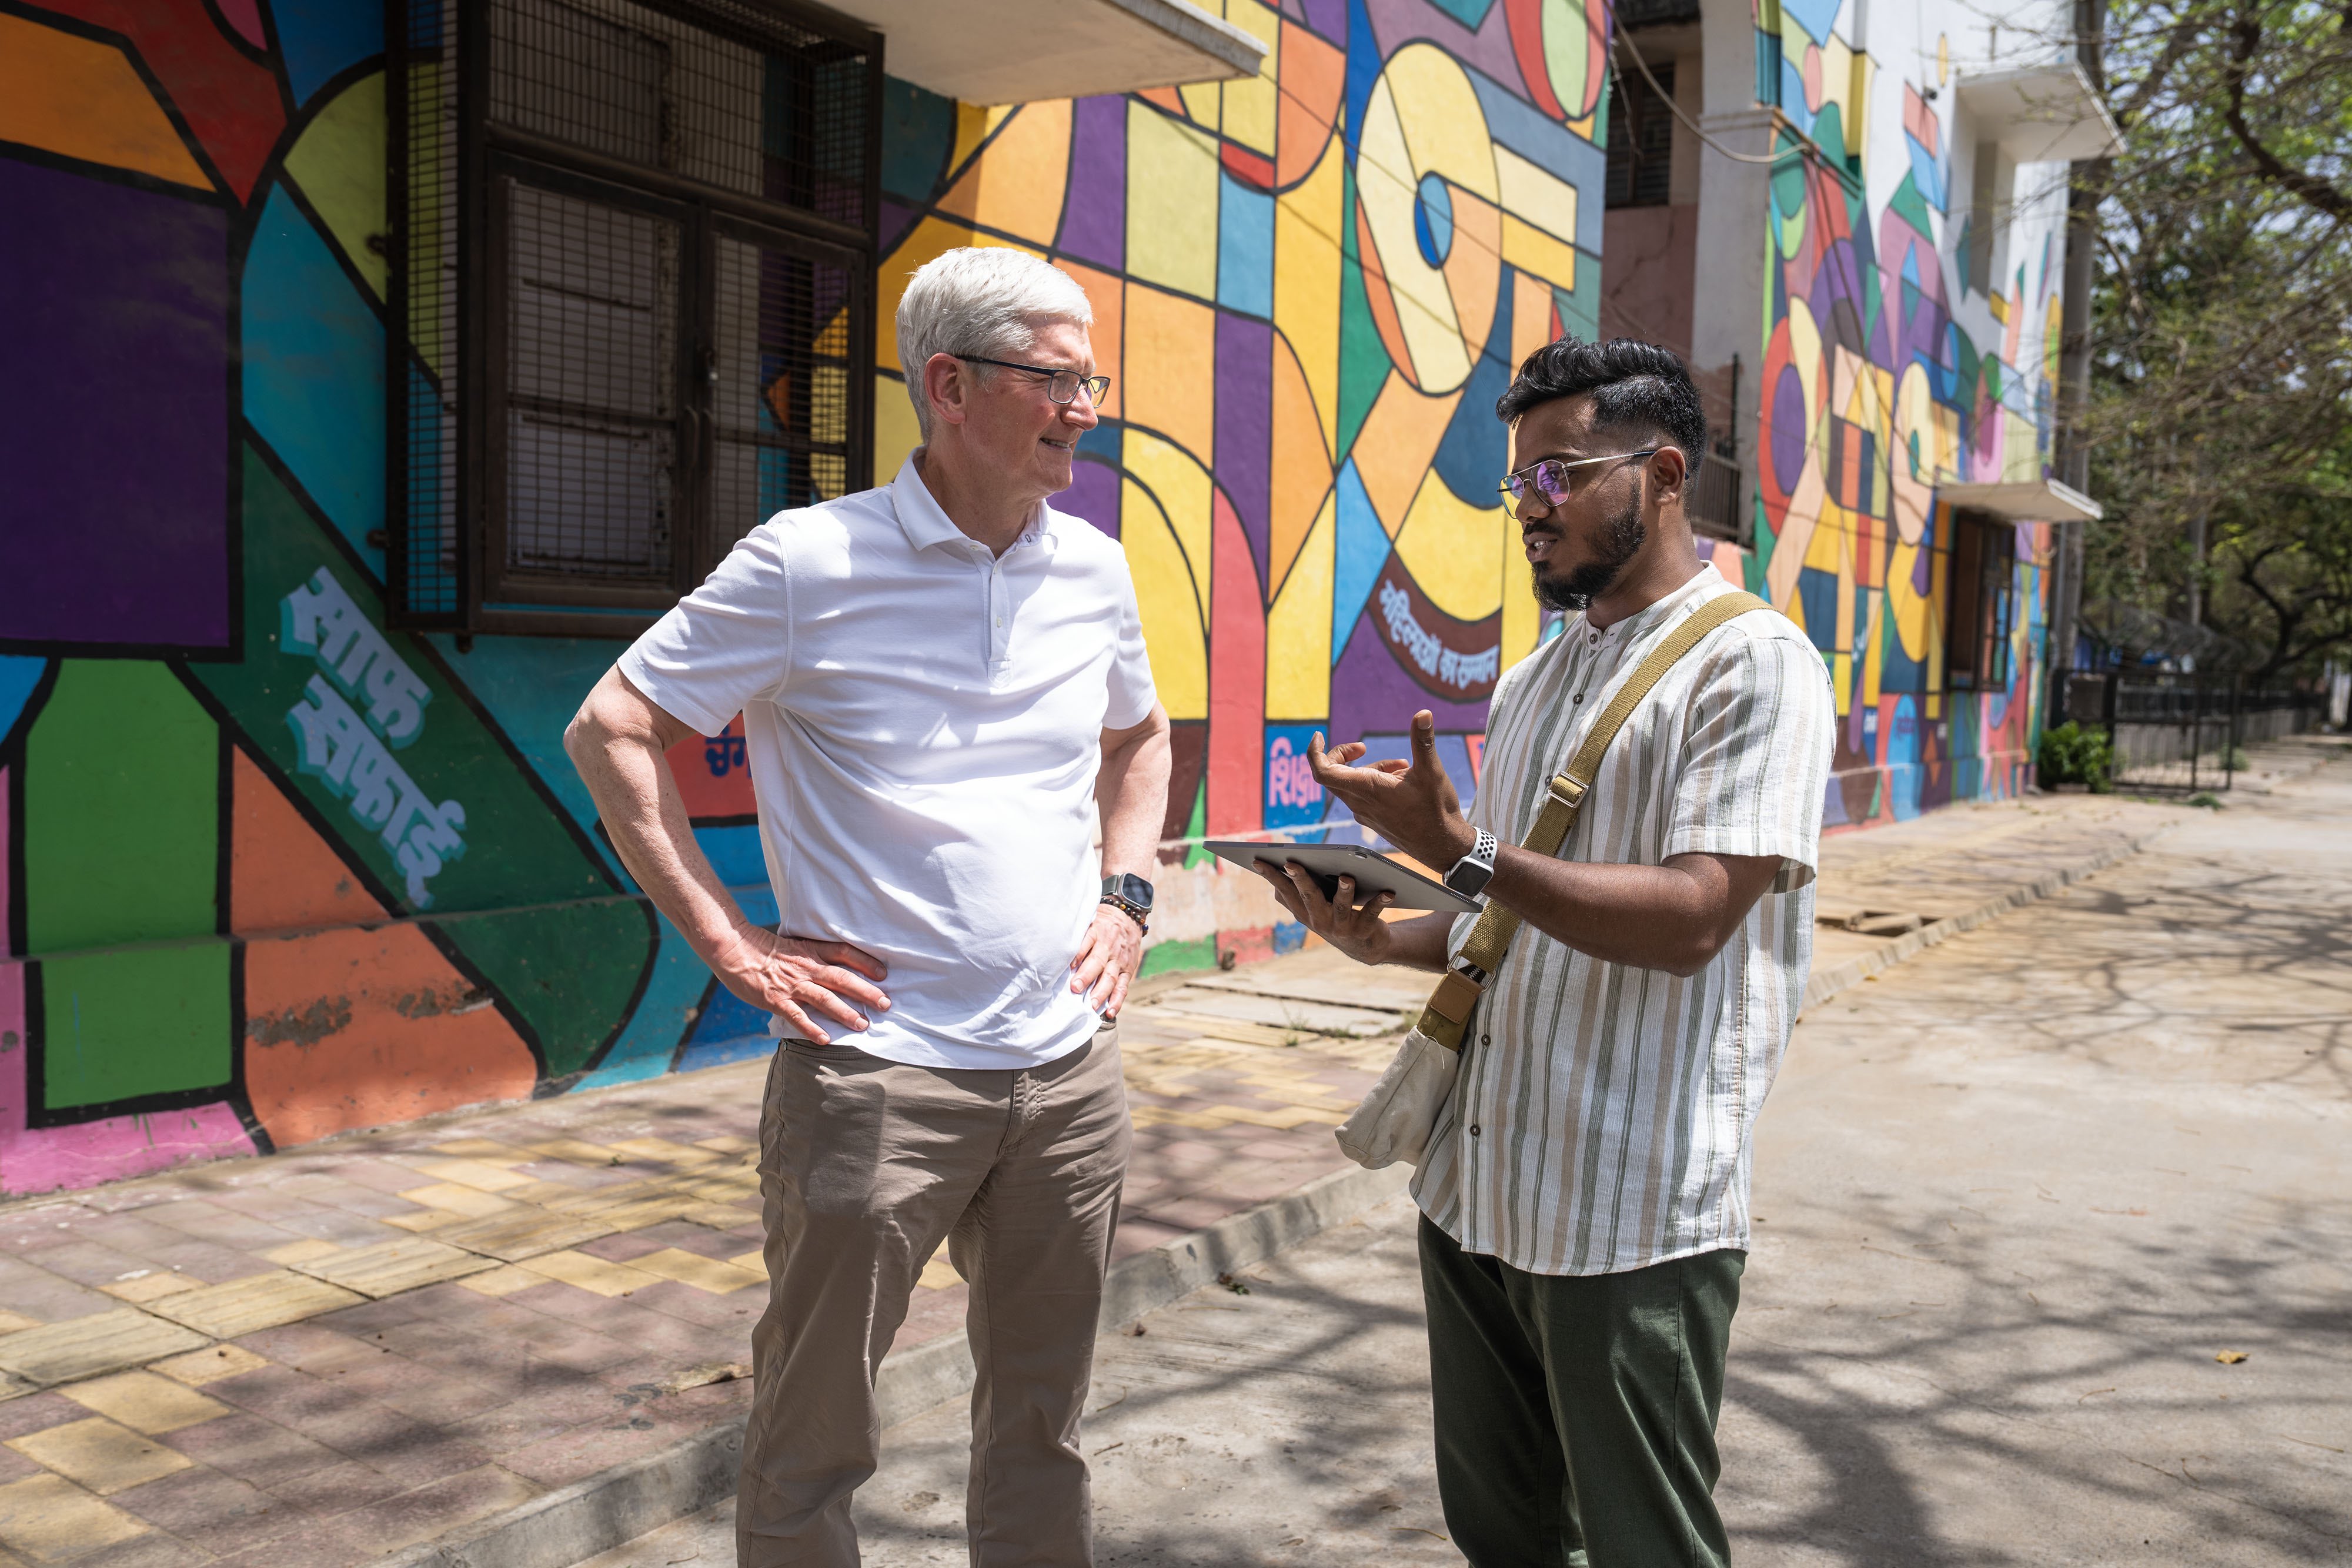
<point>1131,895</point>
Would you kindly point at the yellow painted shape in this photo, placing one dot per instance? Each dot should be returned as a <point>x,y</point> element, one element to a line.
<point>1440,114</point>
<point>1172,203</point>
<point>975,123</point>
<point>1387,182</point>
<point>926,241</point>
<point>1299,626</point>
<point>1016,185</point>
<point>339,163</point>
<point>53,1518</point>
<point>64,93</point>
<point>1306,279</point>
<point>1831,540</point>
<point>895,433</point>
<point>100,1455</point>
<point>1474,268</point>
<point>1201,101</point>
<point>1301,467</point>
<point>605,1279</point>
<point>1393,448</point>
<point>1252,106</point>
<point>1909,610</point>
<point>211,1365</point>
<point>1874,655</point>
<point>1531,305</point>
<point>1530,249</point>
<point>1167,601</point>
<point>1181,487</point>
<point>1454,550</point>
<point>1534,192</point>
<point>1170,353</point>
<point>145,1403</point>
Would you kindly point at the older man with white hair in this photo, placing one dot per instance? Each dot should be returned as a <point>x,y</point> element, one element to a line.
<point>944,690</point>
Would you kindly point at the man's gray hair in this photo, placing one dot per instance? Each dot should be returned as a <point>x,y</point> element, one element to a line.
<point>981,299</point>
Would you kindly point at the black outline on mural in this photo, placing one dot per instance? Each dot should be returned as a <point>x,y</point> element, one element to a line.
<point>58,22</point>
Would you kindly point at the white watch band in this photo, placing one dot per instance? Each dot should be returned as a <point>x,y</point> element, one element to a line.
<point>1471,873</point>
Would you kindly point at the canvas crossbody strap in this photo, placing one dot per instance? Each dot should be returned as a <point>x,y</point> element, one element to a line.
<point>1447,1014</point>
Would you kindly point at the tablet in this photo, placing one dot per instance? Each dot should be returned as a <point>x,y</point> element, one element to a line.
<point>1373,874</point>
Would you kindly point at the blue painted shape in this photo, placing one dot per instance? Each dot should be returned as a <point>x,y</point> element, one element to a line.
<point>1904,775</point>
<point>1815,16</point>
<point>725,1052</point>
<point>532,686</point>
<point>1469,13</point>
<point>1289,936</point>
<point>313,373</point>
<point>1293,798</point>
<point>673,991</point>
<point>1244,247</point>
<point>729,1030</point>
<point>19,677</point>
<point>918,134</point>
<point>1551,146</point>
<point>1817,591</point>
<point>1476,447</point>
<point>322,38</point>
<point>734,853</point>
<point>1452,755</point>
<point>1361,549</point>
<point>1432,220</point>
<point>1364,64</point>
<point>1926,174</point>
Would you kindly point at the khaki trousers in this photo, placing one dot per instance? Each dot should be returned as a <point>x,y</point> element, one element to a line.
<point>865,1166</point>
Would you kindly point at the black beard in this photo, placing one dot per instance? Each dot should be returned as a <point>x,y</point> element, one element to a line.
<point>1622,538</point>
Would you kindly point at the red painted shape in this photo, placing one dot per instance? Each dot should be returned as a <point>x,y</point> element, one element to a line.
<point>282,875</point>
<point>1525,18</point>
<point>1476,745</point>
<point>228,98</point>
<point>714,775</point>
<point>1247,167</point>
<point>1236,678</point>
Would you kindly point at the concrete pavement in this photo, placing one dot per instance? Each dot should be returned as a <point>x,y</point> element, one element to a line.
<point>2015,1199</point>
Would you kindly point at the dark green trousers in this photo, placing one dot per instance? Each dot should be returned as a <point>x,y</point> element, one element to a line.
<point>1576,1413</point>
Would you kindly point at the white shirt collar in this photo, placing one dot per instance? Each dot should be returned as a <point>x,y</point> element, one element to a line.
<point>927,525</point>
<point>1651,613</point>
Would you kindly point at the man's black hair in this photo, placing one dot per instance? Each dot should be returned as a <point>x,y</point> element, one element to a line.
<point>1636,387</point>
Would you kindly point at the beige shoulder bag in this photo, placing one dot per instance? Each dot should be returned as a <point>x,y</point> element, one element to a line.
<point>1395,1120</point>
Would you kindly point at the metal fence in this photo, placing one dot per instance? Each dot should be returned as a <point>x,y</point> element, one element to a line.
<point>2185,732</point>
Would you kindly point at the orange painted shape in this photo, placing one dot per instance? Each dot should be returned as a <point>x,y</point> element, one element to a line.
<point>1302,464</point>
<point>352,1029</point>
<point>283,876</point>
<point>1393,449</point>
<point>1172,369</point>
<point>76,95</point>
<point>1236,678</point>
<point>1106,293</point>
<point>714,776</point>
<point>1166,98</point>
<point>1016,184</point>
<point>1314,73</point>
<point>1474,268</point>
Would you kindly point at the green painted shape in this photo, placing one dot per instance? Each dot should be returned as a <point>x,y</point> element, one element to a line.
<point>1197,827</point>
<point>118,1026</point>
<point>1171,957</point>
<point>570,977</point>
<point>1364,362</point>
<point>1580,308</point>
<point>1912,208</point>
<point>121,810</point>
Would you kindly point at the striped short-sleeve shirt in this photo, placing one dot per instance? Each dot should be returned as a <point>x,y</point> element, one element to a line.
<point>1604,1117</point>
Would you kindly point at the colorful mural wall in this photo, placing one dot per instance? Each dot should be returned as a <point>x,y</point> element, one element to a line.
<point>272,873</point>
<point>1885,375</point>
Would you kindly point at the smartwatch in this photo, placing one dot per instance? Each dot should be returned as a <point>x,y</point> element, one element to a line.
<point>1131,895</point>
<point>1474,871</point>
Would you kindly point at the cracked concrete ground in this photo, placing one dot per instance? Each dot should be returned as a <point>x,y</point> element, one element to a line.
<point>2016,1197</point>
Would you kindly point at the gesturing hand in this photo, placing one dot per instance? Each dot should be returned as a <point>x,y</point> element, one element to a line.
<point>794,976</point>
<point>1107,963</point>
<point>1411,805</point>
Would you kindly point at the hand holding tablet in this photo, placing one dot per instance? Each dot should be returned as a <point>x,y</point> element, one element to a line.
<point>1373,874</point>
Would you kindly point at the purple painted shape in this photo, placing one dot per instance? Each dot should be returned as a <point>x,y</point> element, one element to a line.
<point>41,1159</point>
<point>1093,495</point>
<point>1788,430</point>
<point>897,217</point>
<point>1327,17</point>
<point>1372,693</point>
<point>1245,427</point>
<point>114,428</point>
<point>244,16</point>
<point>1396,23</point>
<point>1094,216</point>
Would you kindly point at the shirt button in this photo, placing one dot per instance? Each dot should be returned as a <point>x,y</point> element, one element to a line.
<point>1595,638</point>
<point>1579,696</point>
<point>1474,1129</point>
<point>1486,1040</point>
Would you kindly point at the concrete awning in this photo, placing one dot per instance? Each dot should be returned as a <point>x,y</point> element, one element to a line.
<point>1011,51</point>
<point>2025,501</point>
<point>2041,114</point>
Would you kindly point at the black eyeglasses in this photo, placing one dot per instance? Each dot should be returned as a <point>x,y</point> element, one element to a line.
<point>1554,479</point>
<point>1062,386</point>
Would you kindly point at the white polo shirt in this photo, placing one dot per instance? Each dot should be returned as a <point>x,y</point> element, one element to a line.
<point>924,724</point>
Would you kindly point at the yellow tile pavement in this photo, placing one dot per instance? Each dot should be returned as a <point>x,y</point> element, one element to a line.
<point>590,1273</point>
<point>100,1454</point>
<point>693,1268</point>
<point>149,1284</point>
<point>455,1197</point>
<point>51,1519</point>
<point>198,1367</point>
<point>145,1403</point>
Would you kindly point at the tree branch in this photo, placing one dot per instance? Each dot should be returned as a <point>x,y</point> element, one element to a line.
<point>2246,37</point>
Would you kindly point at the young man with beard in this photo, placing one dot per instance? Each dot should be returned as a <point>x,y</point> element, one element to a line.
<point>1584,1196</point>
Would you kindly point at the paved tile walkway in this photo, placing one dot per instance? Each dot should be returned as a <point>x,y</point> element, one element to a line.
<point>313,1358</point>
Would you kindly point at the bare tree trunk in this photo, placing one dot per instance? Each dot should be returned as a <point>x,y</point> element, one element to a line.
<point>2084,181</point>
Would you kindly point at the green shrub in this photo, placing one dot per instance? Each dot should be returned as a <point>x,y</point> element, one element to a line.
<point>2073,755</point>
<point>2233,757</point>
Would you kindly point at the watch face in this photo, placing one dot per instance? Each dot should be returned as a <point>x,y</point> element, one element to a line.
<point>1130,887</point>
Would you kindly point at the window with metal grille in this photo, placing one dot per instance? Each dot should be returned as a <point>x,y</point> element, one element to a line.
<point>1641,136</point>
<point>634,256</point>
<point>1982,575</point>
